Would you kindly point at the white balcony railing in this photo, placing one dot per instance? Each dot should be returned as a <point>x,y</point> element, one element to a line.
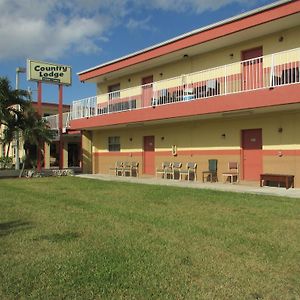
<point>53,121</point>
<point>259,73</point>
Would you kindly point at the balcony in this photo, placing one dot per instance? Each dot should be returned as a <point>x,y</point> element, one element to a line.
<point>53,121</point>
<point>266,72</point>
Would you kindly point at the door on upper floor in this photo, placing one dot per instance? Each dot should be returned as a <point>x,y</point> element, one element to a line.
<point>252,69</point>
<point>147,90</point>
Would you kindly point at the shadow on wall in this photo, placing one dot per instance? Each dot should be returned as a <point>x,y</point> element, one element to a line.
<point>87,161</point>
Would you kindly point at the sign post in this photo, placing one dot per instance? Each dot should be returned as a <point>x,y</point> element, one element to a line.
<point>55,74</point>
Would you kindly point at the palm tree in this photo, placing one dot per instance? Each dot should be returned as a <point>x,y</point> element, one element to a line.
<point>35,131</point>
<point>12,106</point>
<point>9,99</point>
<point>8,132</point>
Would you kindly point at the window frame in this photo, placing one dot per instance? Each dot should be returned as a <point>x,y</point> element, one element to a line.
<point>114,144</point>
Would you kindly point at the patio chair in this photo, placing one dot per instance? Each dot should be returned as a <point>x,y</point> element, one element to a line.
<point>233,172</point>
<point>118,168</point>
<point>188,94</point>
<point>176,167</point>
<point>166,167</point>
<point>135,168</point>
<point>131,169</point>
<point>190,171</point>
<point>126,168</point>
<point>212,172</point>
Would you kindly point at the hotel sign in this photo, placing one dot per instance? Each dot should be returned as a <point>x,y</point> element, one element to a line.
<point>48,72</point>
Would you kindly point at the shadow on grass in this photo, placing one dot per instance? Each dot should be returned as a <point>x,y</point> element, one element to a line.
<point>58,237</point>
<point>13,227</point>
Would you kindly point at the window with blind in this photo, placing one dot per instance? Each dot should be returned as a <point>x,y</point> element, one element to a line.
<point>114,143</point>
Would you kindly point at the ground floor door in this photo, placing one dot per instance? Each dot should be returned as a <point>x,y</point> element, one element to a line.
<point>73,154</point>
<point>149,155</point>
<point>252,153</point>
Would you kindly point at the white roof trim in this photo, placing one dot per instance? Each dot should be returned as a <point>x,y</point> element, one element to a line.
<point>235,18</point>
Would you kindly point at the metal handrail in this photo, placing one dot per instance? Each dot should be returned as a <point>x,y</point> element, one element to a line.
<point>267,71</point>
<point>53,121</point>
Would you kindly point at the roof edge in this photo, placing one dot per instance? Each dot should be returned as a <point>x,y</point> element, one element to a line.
<point>190,33</point>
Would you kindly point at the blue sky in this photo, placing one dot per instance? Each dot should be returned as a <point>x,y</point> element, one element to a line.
<point>86,33</point>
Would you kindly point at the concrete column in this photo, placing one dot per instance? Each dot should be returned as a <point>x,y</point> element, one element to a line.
<point>47,156</point>
<point>65,153</point>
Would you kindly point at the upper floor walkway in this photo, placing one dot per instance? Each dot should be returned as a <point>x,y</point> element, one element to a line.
<point>265,72</point>
<point>53,121</point>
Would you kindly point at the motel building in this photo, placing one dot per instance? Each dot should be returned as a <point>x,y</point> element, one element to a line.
<point>229,91</point>
<point>70,154</point>
<point>50,154</point>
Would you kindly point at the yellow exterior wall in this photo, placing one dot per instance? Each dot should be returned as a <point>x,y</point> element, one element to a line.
<point>212,59</point>
<point>65,154</point>
<point>206,135</point>
<point>87,151</point>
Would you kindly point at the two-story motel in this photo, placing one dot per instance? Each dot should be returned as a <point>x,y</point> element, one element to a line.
<point>229,91</point>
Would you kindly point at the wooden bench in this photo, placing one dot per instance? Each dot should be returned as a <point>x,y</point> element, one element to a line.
<point>287,180</point>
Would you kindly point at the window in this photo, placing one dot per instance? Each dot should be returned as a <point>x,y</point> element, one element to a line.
<point>114,143</point>
<point>114,91</point>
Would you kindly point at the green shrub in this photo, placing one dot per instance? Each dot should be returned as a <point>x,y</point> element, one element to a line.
<point>6,162</point>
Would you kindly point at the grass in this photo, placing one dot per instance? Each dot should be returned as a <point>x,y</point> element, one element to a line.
<point>75,238</point>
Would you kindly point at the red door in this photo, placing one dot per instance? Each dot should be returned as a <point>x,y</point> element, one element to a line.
<point>252,153</point>
<point>147,91</point>
<point>252,69</point>
<point>149,155</point>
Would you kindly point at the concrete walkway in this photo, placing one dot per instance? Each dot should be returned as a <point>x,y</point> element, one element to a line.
<point>244,187</point>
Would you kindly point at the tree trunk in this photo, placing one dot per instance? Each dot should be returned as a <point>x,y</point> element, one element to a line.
<point>7,155</point>
<point>26,156</point>
<point>23,166</point>
<point>7,151</point>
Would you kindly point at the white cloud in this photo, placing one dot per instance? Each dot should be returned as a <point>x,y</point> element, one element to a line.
<point>50,29</point>
<point>143,24</point>
<point>193,6</point>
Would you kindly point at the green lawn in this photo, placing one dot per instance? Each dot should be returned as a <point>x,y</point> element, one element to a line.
<point>75,238</point>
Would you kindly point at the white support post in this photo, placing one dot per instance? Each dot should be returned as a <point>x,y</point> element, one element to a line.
<point>272,71</point>
<point>225,82</point>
